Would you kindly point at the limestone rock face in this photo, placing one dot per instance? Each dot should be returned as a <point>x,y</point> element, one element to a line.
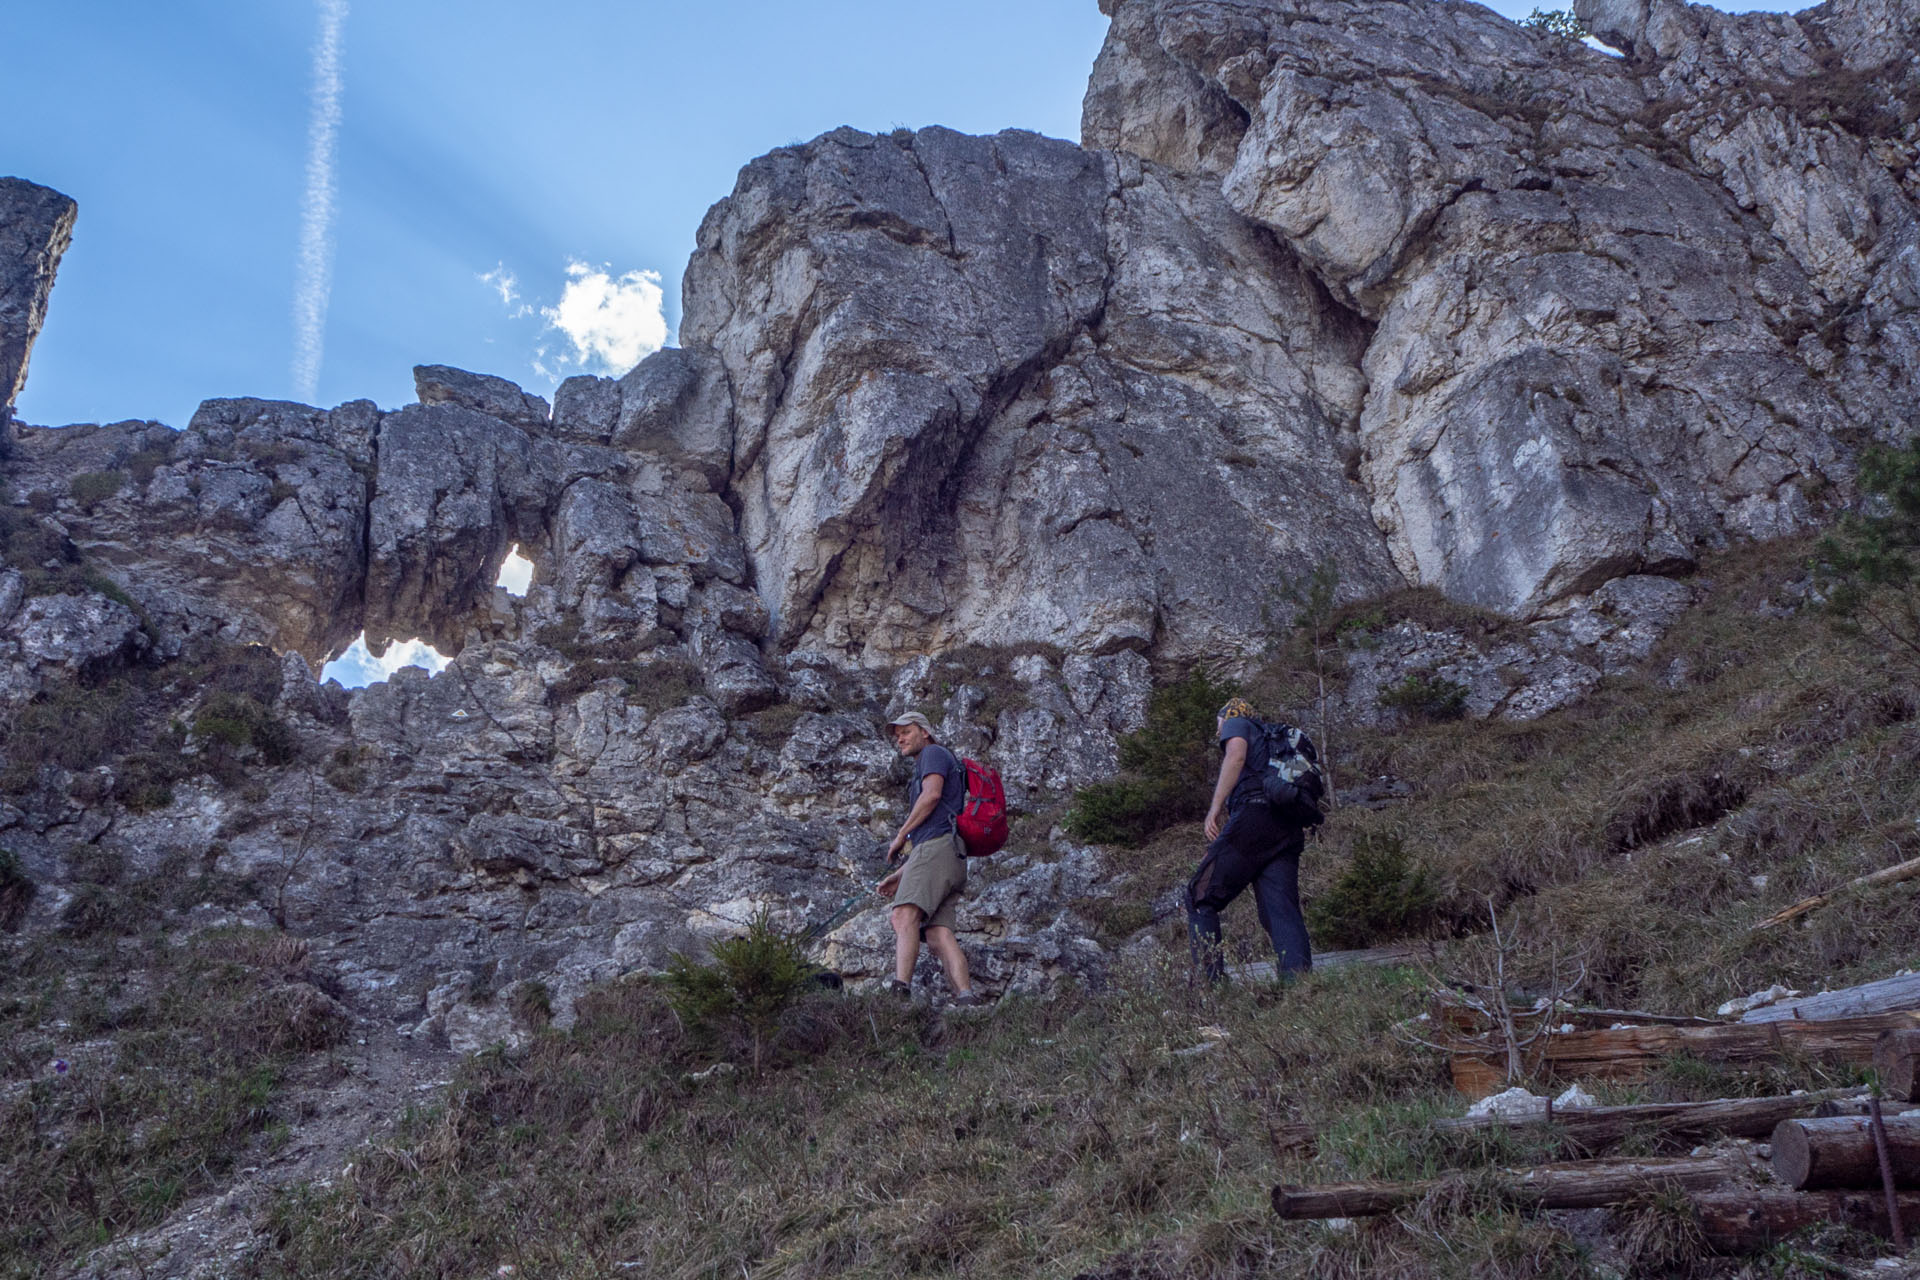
<point>248,525</point>
<point>1589,350</point>
<point>452,489</point>
<point>1003,390</point>
<point>481,392</point>
<point>36,225</point>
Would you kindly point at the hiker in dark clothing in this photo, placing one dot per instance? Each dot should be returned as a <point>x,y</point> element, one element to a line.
<point>1248,844</point>
<point>927,889</point>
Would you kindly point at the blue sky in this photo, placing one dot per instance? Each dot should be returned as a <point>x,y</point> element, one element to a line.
<point>487,136</point>
<point>484,135</point>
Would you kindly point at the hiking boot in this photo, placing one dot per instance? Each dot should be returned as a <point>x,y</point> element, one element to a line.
<point>967,1000</point>
<point>903,991</point>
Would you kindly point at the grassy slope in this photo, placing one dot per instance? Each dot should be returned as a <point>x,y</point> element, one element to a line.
<point>175,1062</point>
<point>1072,1138</point>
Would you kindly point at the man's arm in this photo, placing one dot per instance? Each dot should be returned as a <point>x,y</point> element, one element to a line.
<point>1231,763</point>
<point>931,788</point>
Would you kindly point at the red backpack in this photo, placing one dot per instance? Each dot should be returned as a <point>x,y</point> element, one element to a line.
<point>983,818</point>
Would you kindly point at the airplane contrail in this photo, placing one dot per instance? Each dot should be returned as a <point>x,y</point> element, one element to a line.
<point>314,267</point>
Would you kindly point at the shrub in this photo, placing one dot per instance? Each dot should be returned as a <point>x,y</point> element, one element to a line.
<point>745,990</point>
<point>91,488</point>
<point>345,769</point>
<point>144,781</point>
<point>1117,918</point>
<point>70,726</point>
<point>143,464</point>
<point>1167,768</point>
<point>16,890</point>
<point>124,721</point>
<point>564,638</point>
<point>1427,696</point>
<point>1383,893</point>
<point>240,720</point>
<point>106,900</point>
<point>774,725</point>
<point>47,560</point>
<point>1867,566</point>
<point>665,684</point>
<point>532,1004</point>
<point>1559,22</point>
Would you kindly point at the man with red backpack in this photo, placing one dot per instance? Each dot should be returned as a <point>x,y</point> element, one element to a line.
<point>1267,795</point>
<point>927,889</point>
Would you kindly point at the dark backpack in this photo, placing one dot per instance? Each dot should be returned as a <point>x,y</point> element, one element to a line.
<point>982,824</point>
<point>1290,775</point>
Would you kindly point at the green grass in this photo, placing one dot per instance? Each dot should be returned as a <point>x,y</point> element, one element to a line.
<point>175,1056</point>
<point>1628,827</point>
<point>91,488</point>
<point>132,720</point>
<point>1035,1142</point>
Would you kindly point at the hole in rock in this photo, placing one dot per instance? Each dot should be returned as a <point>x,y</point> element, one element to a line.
<point>516,573</point>
<point>358,667</point>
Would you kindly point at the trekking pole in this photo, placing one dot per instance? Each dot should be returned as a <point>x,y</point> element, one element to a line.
<point>815,932</point>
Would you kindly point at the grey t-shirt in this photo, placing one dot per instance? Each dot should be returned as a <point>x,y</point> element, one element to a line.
<point>934,758</point>
<point>1248,787</point>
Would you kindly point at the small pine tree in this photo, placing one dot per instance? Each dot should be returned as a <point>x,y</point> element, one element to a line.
<point>1313,601</point>
<point>1384,892</point>
<point>1867,566</point>
<point>747,987</point>
<point>1167,767</point>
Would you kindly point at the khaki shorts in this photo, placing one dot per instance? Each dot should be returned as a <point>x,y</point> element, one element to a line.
<point>933,880</point>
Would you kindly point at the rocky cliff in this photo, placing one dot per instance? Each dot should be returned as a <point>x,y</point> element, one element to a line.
<point>36,226</point>
<point>994,426</point>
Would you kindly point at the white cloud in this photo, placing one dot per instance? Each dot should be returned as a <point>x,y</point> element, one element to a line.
<point>503,282</point>
<point>357,667</point>
<point>314,266</point>
<point>613,322</point>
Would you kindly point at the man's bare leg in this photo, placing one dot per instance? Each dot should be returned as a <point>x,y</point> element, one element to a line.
<point>952,958</point>
<point>906,920</point>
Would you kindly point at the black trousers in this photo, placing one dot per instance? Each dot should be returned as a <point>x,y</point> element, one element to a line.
<point>1254,849</point>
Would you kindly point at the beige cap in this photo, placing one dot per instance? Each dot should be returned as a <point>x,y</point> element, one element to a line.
<point>912,718</point>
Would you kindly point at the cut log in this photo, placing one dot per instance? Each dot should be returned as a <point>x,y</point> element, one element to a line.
<point>1578,1184</point>
<point>1597,1128</point>
<point>1886,875</point>
<point>1896,1060</point>
<point>1752,1219</point>
<point>1630,1052</point>
<point>1885,996</point>
<point>1838,1153</point>
<point>1639,1018</point>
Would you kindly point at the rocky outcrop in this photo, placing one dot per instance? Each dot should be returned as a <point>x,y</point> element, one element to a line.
<point>1621,309</point>
<point>36,225</point>
<point>1003,390</point>
<point>996,428</point>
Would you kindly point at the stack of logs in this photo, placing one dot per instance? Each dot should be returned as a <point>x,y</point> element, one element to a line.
<point>1826,1165</point>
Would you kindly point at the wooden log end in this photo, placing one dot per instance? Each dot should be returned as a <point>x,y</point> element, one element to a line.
<point>1792,1153</point>
<point>1896,1060</point>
